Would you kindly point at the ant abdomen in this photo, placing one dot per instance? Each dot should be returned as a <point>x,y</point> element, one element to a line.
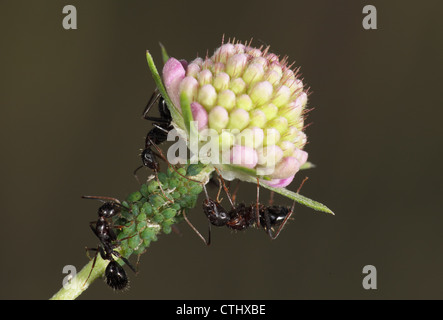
<point>116,276</point>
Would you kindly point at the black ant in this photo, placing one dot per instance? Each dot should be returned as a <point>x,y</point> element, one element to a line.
<point>158,134</point>
<point>241,216</point>
<point>115,275</point>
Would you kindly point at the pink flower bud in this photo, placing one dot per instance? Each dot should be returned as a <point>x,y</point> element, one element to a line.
<point>244,156</point>
<point>200,115</point>
<point>173,74</point>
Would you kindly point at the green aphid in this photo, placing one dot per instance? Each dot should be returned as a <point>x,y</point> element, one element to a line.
<point>128,229</point>
<point>141,225</point>
<point>134,241</point>
<point>153,186</point>
<point>182,171</point>
<point>135,196</point>
<point>163,177</point>
<point>147,208</point>
<point>141,249</point>
<point>176,195</point>
<point>196,190</point>
<point>142,215</point>
<point>158,218</point>
<point>135,209</point>
<point>186,201</point>
<point>148,234</point>
<point>168,222</point>
<point>127,215</point>
<point>167,229</point>
<point>156,200</point>
<point>144,191</point>
<point>169,213</point>
<point>121,235</point>
<point>183,190</point>
<point>173,183</point>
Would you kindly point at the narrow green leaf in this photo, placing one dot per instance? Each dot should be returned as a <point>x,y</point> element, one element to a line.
<point>298,198</point>
<point>165,55</point>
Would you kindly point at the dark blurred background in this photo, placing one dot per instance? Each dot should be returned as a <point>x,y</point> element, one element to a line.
<point>71,102</point>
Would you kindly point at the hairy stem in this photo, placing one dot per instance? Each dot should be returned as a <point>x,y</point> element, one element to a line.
<point>79,284</point>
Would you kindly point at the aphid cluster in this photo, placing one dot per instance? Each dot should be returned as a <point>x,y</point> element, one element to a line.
<point>130,226</point>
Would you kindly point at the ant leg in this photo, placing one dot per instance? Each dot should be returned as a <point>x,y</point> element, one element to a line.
<point>161,188</point>
<point>135,174</point>
<point>207,242</point>
<point>257,212</point>
<point>161,155</point>
<point>273,237</point>
<point>160,128</point>
<point>225,188</point>
<point>154,98</point>
<point>118,255</point>
<point>91,224</point>
<point>234,194</point>
<point>93,263</point>
<point>301,184</point>
<point>219,191</point>
<point>271,199</point>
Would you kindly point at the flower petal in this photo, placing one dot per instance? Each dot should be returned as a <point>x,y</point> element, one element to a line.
<point>173,74</point>
<point>200,115</point>
<point>279,183</point>
<point>244,156</point>
<point>287,167</point>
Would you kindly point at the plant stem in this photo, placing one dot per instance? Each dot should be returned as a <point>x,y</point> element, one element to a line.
<point>79,284</point>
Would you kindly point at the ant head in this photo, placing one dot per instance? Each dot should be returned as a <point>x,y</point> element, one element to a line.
<point>149,159</point>
<point>116,276</point>
<point>109,209</point>
<point>215,213</point>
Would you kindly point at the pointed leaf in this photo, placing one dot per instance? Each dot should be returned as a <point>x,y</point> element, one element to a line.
<point>298,198</point>
<point>165,55</point>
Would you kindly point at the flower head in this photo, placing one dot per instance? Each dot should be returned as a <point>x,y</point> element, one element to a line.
<point>253,100</point>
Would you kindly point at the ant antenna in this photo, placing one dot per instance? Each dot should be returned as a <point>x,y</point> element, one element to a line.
<point>102,198</point>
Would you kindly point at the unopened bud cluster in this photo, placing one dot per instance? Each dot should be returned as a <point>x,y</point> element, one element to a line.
<point>253,100</point>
